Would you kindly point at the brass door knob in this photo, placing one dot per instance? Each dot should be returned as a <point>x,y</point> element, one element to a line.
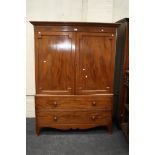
<point>94,103</point>
<point>55,103</point>
<point>93,118</point>
<point>55,118</point>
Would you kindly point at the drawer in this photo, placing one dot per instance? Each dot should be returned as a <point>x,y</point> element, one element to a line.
<point>46,118</point>
<point>47,29</point>
<point>73,102</point>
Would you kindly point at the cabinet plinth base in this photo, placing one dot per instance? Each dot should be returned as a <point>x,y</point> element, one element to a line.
<point>65,127</point>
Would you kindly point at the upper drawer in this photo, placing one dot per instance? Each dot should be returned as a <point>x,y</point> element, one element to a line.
<point>75,29</point>
<point>73,102</point>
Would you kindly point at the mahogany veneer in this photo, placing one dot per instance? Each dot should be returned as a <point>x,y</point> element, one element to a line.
<point>74,64</point>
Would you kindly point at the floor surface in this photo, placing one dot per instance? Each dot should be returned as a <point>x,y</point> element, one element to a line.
<point>95,141</point>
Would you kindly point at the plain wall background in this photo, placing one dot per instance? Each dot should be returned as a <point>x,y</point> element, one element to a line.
<point>64,10</point>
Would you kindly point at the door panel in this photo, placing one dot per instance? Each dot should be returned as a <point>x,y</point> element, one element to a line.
<point>95,54</point>
<point>56,63</point>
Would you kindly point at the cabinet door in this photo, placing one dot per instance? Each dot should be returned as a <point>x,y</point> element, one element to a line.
<point>55,62</point>
<point>95,53</point>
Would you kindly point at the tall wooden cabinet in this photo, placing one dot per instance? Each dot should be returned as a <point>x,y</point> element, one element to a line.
<point>74,64</point>
<point>121,69</point>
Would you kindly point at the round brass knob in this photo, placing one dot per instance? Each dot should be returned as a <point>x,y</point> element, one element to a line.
<point>93,118</point>
<point>55,103</point>
<point>94,103</point>
<point>69,88</point>
<point>75,29</point>
<point>55,118</point>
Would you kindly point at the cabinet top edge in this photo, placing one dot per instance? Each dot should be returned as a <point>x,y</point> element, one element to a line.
<point>55,23</point>
<point>123,20</point>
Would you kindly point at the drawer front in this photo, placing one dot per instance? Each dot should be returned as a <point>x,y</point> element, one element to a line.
<point>101,29</point>
<point>47,118</point>
<point>45,103</point>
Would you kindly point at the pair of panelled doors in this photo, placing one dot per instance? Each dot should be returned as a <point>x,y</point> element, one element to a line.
<point>75,63</point>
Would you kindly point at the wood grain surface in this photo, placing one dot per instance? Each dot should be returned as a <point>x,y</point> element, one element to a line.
<point>74,71</point>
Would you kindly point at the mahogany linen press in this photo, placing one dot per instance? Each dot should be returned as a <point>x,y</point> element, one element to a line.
<point>74,73</point>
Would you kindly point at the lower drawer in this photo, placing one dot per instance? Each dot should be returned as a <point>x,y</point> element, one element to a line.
<point>46,118</point>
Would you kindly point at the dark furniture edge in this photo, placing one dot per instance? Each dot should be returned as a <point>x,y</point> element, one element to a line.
<point>54,23</point>
<point>122,20</point>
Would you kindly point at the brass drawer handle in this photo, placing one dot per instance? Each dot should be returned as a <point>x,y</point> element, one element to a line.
<point>55,118</point>
<point>93,103</point>
<point>93,118</point>
<point>55,104</point>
